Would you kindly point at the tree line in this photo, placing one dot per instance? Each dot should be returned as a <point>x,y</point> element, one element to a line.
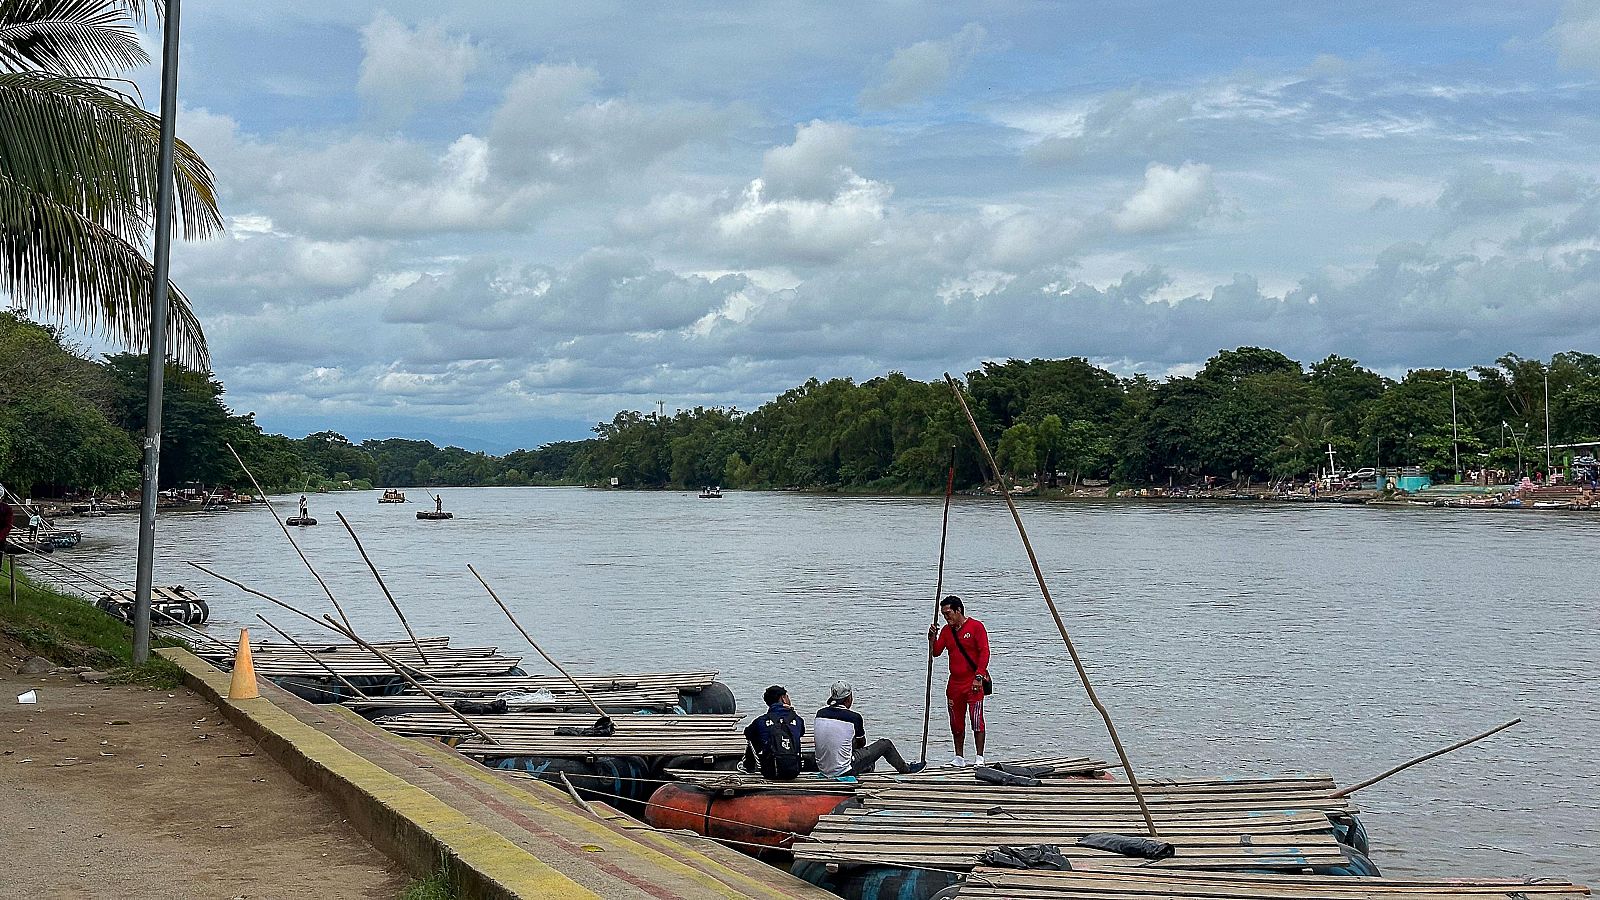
<point>1249,415</point>
<point>72,423</point>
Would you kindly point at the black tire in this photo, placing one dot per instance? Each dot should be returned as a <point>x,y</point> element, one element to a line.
<point>715,698</point>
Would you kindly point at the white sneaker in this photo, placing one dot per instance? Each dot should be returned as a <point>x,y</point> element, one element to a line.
<point>956,762</point>
<point>977,760</point>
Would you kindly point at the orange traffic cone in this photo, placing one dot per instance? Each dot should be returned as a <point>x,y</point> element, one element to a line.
<point>243,686</point>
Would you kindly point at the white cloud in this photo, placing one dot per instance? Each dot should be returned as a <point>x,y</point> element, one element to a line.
<point>405,70</point>
<point>1487,190</point>
<point>1169,198</point>
<point>922,69</point>
<point>1576,35</point>
<point>815,166</point>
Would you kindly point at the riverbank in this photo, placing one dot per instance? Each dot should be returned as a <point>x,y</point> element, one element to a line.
<point>139,789</point>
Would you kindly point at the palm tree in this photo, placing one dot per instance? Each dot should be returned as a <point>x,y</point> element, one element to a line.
<point>78,173</point>
<point>1302,444</point>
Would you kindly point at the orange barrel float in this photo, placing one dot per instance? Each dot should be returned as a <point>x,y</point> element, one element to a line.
<point>755,818</point>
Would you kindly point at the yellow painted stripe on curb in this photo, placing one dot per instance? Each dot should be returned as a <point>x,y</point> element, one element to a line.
<point>474,845</point>
<point>557,805</point>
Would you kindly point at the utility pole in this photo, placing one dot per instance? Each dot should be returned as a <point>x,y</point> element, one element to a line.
<point>1455,434</point>
<point>1548,469</point>
<point>158,337</point>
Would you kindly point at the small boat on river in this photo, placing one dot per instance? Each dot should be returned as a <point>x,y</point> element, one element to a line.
<point>711,493</point>
<point>393,496</point>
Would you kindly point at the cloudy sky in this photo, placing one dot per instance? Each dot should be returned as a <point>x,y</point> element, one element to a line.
<point>495,224</point>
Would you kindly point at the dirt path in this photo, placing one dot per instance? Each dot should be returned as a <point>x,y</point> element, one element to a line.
<point>129,793</point>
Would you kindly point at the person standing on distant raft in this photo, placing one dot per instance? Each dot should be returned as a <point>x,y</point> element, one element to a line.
<point>968,644</point>
<point>841,739</point>
<point>303,513</point>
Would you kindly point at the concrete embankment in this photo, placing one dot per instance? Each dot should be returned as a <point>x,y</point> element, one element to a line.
<point>497,836</point>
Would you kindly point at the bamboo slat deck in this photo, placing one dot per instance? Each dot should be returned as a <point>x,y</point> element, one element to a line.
<point>689,681</point>
<point>269,647</point>
<point>514,725</point>
<point>621,701</point>
<point>1257,823</point>
<point>1152,884</point>
<point>351,667</point>
<point>1069,796</point>
<point>635,736</point>
<point>274,660</point>
<point>1064,766</point>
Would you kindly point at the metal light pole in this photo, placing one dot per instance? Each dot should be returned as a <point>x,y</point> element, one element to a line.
<point>158,337</point>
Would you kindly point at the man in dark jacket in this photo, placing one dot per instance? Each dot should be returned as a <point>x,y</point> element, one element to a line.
<point>772,741</point>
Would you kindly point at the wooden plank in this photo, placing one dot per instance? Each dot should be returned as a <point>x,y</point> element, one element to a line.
<point>1170,884</point>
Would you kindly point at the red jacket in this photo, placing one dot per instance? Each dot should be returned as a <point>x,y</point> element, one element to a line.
<point>975,640</point>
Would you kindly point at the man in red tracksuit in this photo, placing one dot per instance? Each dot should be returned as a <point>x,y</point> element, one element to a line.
<point>968,660</point>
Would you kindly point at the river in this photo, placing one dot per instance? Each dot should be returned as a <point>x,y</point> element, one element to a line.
<point>1239,640</point>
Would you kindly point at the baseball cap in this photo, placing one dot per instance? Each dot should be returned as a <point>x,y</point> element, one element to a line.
<point>841,691</point>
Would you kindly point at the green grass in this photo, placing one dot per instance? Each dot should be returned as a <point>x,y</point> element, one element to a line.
<point>72,632</point>
<point>435,887</point>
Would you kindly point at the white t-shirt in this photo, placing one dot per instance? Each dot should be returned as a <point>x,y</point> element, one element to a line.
<point>835,730</point>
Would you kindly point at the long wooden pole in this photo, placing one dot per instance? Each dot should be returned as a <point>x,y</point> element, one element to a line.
<point>1072,650</point>
<point>400,670</point>
<point>314,658</point>
<point>275,601</point>
<point>938,594</point>
<point>1422,759</point>
<point>534,644</point>
<point>289,537</point>
<point>394,605</point>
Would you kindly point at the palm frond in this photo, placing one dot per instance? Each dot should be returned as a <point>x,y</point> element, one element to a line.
<point>54,260</point>
<point>69,37</point>
<point>96,152</point>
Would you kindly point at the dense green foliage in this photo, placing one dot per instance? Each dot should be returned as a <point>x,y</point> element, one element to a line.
<point>1250,414</point>
<point>78,173</point>
<point>70,423</point>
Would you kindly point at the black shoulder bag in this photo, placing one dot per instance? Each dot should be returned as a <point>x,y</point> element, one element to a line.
<point>988,683</point>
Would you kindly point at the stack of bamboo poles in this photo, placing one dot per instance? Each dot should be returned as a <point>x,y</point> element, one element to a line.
<point>1245,824</point>
<point>1157,884</point>
<point>1060,766</point>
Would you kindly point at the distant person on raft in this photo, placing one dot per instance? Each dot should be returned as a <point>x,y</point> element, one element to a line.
<point>841,737</point>
<point>772,741</point>
<point>968,644</point>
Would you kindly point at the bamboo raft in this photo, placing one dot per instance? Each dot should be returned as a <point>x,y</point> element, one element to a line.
<point>435,659</point>
<point>1153,884</point>
<point>708,736</point>
<point>1062,767</point>
<point>662,699</point>
<point>512,726</point>
<point>1277,824</point>
<point>676,681</point>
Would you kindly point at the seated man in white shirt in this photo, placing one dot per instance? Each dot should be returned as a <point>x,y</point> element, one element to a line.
<point>841,739</point>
